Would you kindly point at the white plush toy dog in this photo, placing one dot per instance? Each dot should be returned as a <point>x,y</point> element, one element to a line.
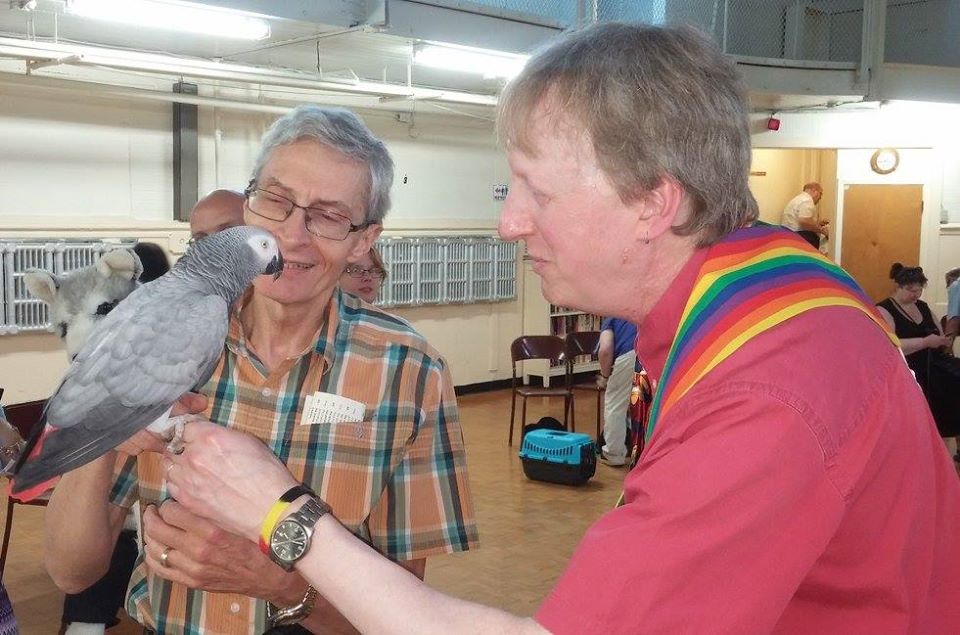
<point>79,299</point>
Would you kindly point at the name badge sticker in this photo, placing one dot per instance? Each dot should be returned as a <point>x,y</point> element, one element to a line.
<point>323,407</point>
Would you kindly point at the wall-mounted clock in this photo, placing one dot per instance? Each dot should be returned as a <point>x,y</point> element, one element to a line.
<point>884,160</point>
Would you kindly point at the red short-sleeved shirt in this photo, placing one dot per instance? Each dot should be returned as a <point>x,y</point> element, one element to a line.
<point>800,487</point>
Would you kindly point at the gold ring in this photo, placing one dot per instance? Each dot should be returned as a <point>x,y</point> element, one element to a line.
<point>164,556</point>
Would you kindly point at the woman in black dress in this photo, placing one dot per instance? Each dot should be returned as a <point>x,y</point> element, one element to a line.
<point>924,345</point>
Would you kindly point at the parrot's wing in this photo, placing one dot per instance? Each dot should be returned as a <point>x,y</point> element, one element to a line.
<point>131,371</point>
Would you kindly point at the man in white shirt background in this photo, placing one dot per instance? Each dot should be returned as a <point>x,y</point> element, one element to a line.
<point>800,214</point>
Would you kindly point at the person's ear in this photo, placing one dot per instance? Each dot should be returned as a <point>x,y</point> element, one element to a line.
<point>362,247</point>
<point>660,209</point>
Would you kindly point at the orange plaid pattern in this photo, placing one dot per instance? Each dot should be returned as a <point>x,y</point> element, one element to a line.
<point>397,478</point>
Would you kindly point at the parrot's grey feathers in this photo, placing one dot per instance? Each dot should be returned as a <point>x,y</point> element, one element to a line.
<point>136,362</point>
<point>160,342</point>
<point>69,448</point>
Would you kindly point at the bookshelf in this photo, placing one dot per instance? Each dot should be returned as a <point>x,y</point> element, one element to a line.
<point>542,318</point>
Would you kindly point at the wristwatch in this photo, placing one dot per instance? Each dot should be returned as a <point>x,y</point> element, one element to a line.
<point>289,542</point>
<point>290,539</point>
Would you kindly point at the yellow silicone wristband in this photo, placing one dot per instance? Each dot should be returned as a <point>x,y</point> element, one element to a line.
<point>269,522</point>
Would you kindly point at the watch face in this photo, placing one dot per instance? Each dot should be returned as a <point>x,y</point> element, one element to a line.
<point>289,541</point>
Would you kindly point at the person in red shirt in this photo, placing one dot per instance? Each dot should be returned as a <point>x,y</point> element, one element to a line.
<point>792,479</point>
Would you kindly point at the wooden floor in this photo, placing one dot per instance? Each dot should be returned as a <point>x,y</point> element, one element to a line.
<point>527,529</point>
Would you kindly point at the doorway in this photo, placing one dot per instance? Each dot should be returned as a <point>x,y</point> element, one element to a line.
<point>881,226</point>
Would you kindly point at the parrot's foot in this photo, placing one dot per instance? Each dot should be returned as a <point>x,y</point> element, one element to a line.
<point>174,441</point>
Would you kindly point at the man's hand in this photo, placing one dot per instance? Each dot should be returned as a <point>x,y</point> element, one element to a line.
<point>203,556</point>
<point>146,441</point>
<point>602,381</point>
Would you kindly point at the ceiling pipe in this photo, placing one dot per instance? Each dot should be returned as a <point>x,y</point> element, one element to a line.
<point>95,89</point>
<point>207,69</point>
<point>99,90</point>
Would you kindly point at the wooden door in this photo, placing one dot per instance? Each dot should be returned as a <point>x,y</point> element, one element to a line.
<point>881,226</point>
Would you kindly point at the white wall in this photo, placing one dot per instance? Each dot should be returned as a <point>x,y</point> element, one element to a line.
<point>98,160</point>
<point>103,168</point>
<point>776,176</point>
<point>85,159</point>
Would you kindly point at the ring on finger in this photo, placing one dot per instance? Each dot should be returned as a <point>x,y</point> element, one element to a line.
<point>165,556</point>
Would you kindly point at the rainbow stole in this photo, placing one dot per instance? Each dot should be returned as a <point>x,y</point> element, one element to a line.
<point>753,280</point>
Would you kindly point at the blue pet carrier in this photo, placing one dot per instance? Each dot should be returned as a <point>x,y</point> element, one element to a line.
<point>568,458</point>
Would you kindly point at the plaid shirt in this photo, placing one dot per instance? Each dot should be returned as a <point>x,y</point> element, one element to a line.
<point>397,478</point>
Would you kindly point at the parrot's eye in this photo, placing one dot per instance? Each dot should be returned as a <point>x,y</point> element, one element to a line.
<point>263,244</point>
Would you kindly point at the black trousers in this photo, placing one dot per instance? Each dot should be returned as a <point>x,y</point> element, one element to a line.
<point>811,237</point>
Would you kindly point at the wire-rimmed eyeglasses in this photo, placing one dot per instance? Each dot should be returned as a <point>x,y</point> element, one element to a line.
<point>319,221</point>
<point>356,271</point>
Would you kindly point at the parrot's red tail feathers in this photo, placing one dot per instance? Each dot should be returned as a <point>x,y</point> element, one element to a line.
<point>33,493</point>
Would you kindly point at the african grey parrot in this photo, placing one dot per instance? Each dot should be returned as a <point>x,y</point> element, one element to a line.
<point>160,342</point>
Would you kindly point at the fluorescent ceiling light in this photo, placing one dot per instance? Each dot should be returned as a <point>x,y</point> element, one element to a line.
<point>177,16</point>
<point>465,59</point>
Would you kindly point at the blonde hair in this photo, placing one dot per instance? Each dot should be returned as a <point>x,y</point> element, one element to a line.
<point>654,101</point>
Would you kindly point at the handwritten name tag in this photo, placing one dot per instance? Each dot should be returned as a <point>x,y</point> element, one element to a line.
<point>323,407</point>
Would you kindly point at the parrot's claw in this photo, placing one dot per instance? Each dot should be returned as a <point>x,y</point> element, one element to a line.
<point>175,443</point>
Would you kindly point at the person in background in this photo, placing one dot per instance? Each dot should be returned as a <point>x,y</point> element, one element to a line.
<point>216,211</point>
<point>952,327</point>
<point>365,277</point>
<point>154,260</point>
<point>617,363</point>
<point>382,440</point>
<point>800,215</point>
<point>923,344</point>
<point>784,487</point>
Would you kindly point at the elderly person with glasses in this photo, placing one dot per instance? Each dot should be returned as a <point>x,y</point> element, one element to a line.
<point>365,277</point>
<point>354,402</point>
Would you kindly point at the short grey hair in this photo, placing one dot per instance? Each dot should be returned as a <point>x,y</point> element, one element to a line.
<point>346,133</point>
<point>653,101</point>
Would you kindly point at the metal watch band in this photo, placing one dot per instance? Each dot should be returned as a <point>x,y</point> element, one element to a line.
<point>310,513</point>
<point>293,614</point>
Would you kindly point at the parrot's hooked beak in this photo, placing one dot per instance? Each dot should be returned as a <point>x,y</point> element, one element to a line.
<point>276,266</point>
